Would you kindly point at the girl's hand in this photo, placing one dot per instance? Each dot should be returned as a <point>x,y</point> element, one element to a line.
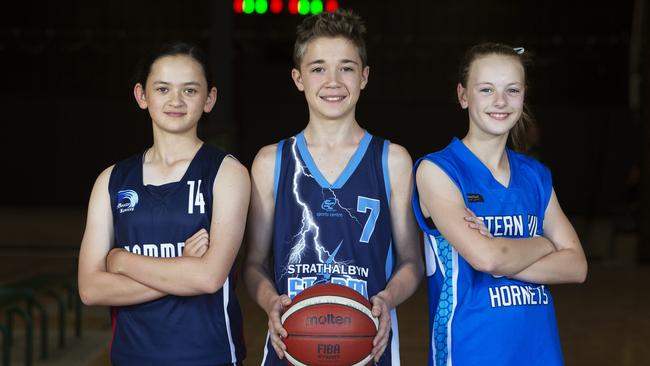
<point>197,244</point>
<point>477,224</point>
<point>113,264</point>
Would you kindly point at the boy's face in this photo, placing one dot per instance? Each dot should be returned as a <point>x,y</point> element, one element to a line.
<point>332,76</point>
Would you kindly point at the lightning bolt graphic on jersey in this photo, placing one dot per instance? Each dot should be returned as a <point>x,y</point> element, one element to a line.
<point>324,277</point>
<point>308,224</point>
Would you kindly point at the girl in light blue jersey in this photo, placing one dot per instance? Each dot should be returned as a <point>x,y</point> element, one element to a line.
<point>495,234</point>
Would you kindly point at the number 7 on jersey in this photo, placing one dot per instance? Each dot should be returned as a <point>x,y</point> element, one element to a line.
<point>363,205</point>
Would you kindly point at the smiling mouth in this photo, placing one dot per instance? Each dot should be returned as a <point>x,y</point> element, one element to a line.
<point>333,99</point>
<point>499,116</point>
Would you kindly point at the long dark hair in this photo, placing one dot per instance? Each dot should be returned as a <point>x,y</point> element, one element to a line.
<point>519,138</point>
<point>174,49</point>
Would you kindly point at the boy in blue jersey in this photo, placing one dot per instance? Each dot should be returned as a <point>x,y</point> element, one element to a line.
<point>331,204</point>
<point>173,300</point>
<point>495,234</point>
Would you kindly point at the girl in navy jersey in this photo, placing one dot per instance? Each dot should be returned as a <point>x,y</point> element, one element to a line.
<point>164,228</point>
<point>495,234</point>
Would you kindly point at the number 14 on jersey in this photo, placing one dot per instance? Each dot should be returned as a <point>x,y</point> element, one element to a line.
<point>195,200</point>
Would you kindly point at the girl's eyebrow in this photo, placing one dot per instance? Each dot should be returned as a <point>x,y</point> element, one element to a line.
<point>168,83</point>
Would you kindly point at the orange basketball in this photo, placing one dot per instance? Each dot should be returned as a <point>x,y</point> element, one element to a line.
<point>329,325</point>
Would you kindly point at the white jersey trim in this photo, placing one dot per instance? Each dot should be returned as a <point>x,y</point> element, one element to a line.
<point>454,260</point>
<point>226,296</point>
<point>394,344</point>
<point>434,245</point>
<point>430,261</point>
<point>266,348</point>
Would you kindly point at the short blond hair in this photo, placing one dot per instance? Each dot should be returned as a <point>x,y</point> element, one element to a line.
<point>340,23</point>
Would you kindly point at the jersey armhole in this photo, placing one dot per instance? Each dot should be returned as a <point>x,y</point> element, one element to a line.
<point>276,172</point>
<point>384,165</point>
<point>547,189</point>
<point>112,191</point>
<point>415,200</point>
<point>231,156</point>
<point>213,175</point>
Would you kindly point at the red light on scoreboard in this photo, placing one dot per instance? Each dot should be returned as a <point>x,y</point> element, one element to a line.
<point>331,5</point>
<point>294,7</point>
<point>238,6</point>
<point>276,6</point>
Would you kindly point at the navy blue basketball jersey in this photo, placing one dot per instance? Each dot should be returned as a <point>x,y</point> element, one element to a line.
<point>333,233</point>
<point>155,221</point>
<point>477,318</point>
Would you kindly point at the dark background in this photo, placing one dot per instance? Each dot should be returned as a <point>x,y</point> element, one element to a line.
<point>68,110</point>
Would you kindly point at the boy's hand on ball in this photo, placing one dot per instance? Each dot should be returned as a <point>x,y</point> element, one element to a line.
<point>381,309</point>
<point>276,331</point>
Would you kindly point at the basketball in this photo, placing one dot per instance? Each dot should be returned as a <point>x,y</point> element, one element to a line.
<point>328,325</point>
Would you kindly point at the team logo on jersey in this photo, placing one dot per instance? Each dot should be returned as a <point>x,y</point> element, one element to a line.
<point>126,200</point>
<point>328,205</point>
<point>474,197</point>
<point>329,208</point>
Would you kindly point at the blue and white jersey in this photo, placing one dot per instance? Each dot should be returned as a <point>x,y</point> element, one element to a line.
<point>333,233</point>
<point>155,221</point>
<point>477,318</point>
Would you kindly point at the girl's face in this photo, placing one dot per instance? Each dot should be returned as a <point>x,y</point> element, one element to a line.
<point>494,94</point>
<point>176,93</point>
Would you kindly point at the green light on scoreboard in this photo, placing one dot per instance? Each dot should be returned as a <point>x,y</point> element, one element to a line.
<point>302,7</point>
<point>248,6</point>
<point>316,6</point>
<point>261,6</point>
